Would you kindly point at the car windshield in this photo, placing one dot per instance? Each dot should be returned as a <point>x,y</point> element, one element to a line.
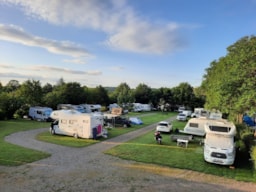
<point>163,124</point>
<point>181,114</point>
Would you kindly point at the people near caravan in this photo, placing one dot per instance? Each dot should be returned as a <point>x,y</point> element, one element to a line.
<point>158,135</point>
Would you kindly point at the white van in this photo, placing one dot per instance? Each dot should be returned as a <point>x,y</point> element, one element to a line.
<point>40,113</point>
<point>219,142</point>
<point>76,124</point>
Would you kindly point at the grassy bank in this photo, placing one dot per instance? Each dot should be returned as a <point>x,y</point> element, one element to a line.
<point>12,155</point>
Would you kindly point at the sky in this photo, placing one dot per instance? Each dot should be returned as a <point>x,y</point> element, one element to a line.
<point>160,43</point>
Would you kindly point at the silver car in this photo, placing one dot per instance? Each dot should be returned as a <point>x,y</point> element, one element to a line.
<point>181,117</point>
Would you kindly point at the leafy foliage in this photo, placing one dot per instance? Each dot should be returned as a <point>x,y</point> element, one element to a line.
<point>229,83</point>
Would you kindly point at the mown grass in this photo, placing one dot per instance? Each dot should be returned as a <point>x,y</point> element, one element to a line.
<point>145,149</point>
<point>141,149</point>
<point>12,155</point>
<point>147,118</point>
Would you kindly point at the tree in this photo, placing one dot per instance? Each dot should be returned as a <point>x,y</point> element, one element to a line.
<point>229,83</point>
<point>12,85</point>
<point>31,92</point>
<point>142,94</point>
<point>47,88</point>
<point>123,94</point>
<point>100,96</point>
<point>183,94</point>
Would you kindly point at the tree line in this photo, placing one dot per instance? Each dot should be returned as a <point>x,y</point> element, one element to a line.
<point>16,98</point>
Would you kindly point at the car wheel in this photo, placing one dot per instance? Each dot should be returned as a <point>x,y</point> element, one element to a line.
<point>125,125</point>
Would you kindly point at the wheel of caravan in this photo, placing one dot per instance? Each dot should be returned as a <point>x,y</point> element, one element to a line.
<point>52,131</point>
<point>75,135</point>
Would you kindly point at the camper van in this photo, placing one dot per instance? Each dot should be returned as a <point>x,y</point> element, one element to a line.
<point>219,142</point>
<point>79,108</point>
<point>40,113</point>
<point>76,124</point>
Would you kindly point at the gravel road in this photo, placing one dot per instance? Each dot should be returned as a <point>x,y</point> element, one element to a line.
<point>88,169</point>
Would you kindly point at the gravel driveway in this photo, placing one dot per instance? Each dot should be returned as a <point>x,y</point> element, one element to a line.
<point>89,169</point>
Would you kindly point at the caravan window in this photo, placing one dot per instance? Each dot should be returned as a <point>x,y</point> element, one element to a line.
<point>220,129</point>
<point>64,121</point>
<point>72,121</point>
<point>193,125</point>
<point>39,112</point>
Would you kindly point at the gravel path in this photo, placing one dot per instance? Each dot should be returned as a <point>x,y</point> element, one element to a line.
<point>88,169</point>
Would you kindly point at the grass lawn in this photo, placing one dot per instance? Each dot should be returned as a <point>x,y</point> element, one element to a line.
<point>141,149</point>
<point>12,155</point>
<point>145,149</point>
<point>147,118</point>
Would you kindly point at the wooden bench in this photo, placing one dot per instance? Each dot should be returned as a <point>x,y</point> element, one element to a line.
<point>182,143</point>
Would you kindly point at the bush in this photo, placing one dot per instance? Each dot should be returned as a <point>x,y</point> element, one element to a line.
<point>253,156</point>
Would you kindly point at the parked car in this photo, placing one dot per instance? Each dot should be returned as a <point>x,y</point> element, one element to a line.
<point>181,117</point>
<point>118,121</point>
<point>164,126</point>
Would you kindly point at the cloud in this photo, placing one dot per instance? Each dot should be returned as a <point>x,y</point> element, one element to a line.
<point>18,35</point>
<point>117,68</point>
<point>76,61</point>
<point>69,71</point>
<point>125,28</point>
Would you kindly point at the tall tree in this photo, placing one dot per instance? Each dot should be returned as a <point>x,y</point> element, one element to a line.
<point>183,94</point>
<point>31,92</point>
<point>99,95</point>
<point>143,93</point>
<point>12,85</point>
<point>123,94</point>
<point>230,83</point>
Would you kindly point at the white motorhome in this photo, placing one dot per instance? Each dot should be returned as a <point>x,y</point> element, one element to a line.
<point>139,107</point>
<point>40,113</point>
<point>219,142</point>
<point>76,124</point>
<point>79,108</point>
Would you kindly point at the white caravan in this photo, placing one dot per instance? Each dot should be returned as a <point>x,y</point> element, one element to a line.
<point>76,124</point>
<point>219,142</point>
<point>195,126</point>
<point>40,113</point>
<point>199,112</point>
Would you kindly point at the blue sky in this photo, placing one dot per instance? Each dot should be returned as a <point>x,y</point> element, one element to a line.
<point>160,43</point>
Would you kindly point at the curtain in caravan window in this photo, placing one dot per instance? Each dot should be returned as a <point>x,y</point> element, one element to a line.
<point>64,121</point>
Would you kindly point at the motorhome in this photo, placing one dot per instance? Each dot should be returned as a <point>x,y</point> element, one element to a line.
<point>219,142</point>
<point>139,107</point>
<point>40,113</point>
<point>76,124</point>
<point>79,108</point>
